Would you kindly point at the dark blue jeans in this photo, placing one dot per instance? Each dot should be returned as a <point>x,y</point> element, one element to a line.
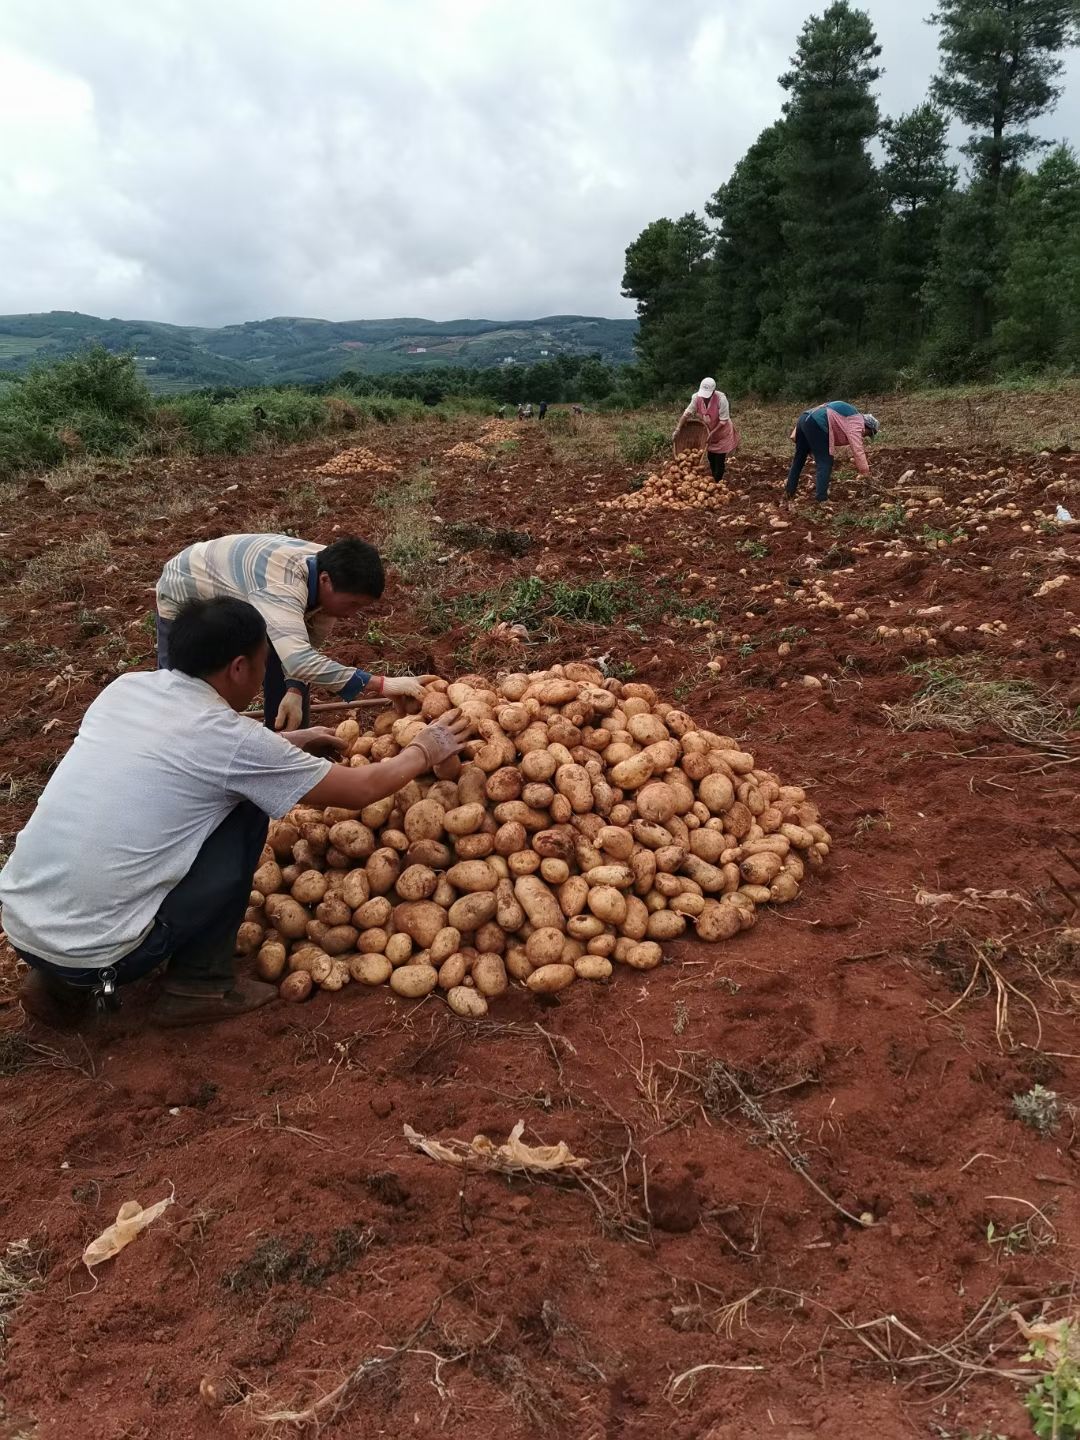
<point>811,439</point>
<point>195,928</point>
<point>273,680</point>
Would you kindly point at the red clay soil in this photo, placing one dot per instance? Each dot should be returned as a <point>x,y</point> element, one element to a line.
<point>706,1286</point>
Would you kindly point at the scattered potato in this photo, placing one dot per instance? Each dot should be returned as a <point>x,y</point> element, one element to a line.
<point>414,981</point>
<point>297,986</point>
<point>549,979</point>
<point>470,1004</point>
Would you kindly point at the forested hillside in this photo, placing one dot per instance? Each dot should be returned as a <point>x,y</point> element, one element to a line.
<point>287,349</point>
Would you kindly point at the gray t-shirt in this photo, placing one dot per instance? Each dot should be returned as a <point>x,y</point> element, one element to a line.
<point>159,762</point>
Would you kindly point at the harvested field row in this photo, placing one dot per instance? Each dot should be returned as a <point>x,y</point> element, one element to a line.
<point>912,667</point>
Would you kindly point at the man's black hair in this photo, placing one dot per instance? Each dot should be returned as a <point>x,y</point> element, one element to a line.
<point>354,567</point>
<point>208,635</point>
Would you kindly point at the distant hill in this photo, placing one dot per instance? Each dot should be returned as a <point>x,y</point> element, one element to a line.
<point>288,348</point>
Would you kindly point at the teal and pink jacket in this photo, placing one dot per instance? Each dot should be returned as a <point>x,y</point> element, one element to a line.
<point>845,427</point>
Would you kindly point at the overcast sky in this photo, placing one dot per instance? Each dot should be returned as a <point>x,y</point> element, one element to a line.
<point>212,161</point>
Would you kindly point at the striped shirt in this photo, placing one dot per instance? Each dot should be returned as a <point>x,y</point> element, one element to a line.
<point>277,575</point>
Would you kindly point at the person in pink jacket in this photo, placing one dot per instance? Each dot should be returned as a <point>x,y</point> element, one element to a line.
<point>819,432</point>
<point>711,406</point>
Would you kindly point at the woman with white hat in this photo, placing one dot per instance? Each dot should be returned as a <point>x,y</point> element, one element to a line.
<point>711,407</point>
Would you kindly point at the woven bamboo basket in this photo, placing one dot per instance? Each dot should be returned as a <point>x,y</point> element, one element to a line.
<point>692,434</point>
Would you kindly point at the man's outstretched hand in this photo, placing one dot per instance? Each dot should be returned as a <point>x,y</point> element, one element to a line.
<point>318,740</point>
<point>444,738</point>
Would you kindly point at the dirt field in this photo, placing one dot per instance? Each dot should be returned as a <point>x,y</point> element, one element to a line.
<point>860,1048</point>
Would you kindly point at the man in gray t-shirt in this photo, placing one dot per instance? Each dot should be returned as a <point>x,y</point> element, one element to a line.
<point>143,845</point>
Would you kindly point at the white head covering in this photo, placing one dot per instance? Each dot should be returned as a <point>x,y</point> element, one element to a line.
<point>872,423</point>
<point>705,391</point>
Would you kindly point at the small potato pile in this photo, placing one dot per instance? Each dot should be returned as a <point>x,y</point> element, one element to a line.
<point>492,432</point>
<point>591,822</point>
<point>679,484</point>
<point>465,450</point>
<point>357,461</point>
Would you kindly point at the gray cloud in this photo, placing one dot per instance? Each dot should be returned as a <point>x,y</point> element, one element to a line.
<point>207,162</point>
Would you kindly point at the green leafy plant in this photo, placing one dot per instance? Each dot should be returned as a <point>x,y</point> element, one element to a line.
<point>637,444</point>
<point>1037,1107</point>
<point>1053,1402</point>
<point>755,548</point>
<point>929,532</point>
<point>886,521</point>
<point>535,603</point>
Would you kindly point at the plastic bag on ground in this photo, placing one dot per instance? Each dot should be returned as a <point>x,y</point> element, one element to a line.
<point>131,1218</point>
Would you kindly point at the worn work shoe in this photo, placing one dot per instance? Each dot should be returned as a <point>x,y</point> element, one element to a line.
<point>193,1007</point>
<point>54,1003</point>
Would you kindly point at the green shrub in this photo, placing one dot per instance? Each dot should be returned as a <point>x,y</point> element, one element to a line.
<point>640,443</point>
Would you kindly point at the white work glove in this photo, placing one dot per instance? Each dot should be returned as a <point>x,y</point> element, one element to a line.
<point>290,715</point>
<point>407,685</point>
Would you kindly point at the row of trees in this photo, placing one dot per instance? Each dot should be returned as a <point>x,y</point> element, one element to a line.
<point>585,378</point>
<point>844,251</point>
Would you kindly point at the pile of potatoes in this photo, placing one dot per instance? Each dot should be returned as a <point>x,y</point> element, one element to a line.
<point>358,460</point>
<point>466,450</point>
<point>682,484</point>
<point>590,823</point>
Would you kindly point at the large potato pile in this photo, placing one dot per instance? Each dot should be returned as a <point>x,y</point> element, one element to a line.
<point>358,460</point>
<point>590,823</point>
<point>679,484</point>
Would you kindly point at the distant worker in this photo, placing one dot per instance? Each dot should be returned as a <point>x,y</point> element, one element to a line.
<point>711,407</point>
<point>819,432</point>
<point>521,410</point>
<point>577,410</point>
<point>528,411</point>
<point>543,410</point>
<point>299,589</point>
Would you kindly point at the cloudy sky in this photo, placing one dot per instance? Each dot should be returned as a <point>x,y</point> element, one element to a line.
<point>211,161</point>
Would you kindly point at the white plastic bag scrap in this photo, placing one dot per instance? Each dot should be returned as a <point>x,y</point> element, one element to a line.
<point>131,1218</point>
<point>510,1157</point>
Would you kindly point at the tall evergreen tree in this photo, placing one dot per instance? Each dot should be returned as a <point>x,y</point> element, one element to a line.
<point>1001,60</point>
<point>745,288</point>
<point>1040,290</point>
<point>667,269</point>
<point>830,197</point>
<point>917,178</point>
<point>961,284</point>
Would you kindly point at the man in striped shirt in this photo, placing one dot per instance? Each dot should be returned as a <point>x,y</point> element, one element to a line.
<point>299,589</point>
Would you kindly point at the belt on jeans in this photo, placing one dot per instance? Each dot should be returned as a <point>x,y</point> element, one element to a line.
<point>105,992</point>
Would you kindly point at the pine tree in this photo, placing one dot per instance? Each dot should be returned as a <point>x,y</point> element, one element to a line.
<point>1001,59</point>
<point>917,179</point>
<point>667,270</point>
<point>745,285</point>
<point>831,201</point>
<point>1040,290</point>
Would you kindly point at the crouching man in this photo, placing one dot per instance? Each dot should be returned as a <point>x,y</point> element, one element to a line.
<point>142,847</point>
